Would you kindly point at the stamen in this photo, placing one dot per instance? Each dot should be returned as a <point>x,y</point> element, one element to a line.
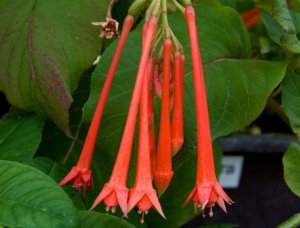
<point>195,207</point>
<point>211,214</point>
<point>140,211</point>
<point>107,208</point>
<point>113,210</point>
<point>203,213</point>
<point>142,218</point>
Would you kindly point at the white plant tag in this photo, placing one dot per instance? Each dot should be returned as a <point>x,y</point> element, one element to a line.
<point>231,171</point>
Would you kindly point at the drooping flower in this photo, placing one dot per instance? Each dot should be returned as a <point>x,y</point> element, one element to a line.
<point>143,195</point>
<point>207,191</point>
<point>177,116</point>
<point>81,174</point>
<point>163,172</point>
<point>115,191</point>
<point>251,17</point>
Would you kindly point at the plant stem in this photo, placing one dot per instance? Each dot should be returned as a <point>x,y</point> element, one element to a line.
<point>276,107</point>
<point>165,22</point>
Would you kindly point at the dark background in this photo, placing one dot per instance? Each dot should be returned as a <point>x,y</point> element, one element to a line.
<point>262,199</point>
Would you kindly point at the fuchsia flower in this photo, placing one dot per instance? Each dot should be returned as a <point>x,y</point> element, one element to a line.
<point>177,117</point>
<point>81,174</point>
<point>143,195</point>
<point>115,191</point>
<point>207,191</point>
<point>251,17</point>
<point>163,172</point>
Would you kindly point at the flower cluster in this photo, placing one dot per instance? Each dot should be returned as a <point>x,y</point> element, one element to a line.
<point>160,73</point>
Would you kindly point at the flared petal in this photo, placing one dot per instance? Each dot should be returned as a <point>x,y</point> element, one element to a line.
<point>113,195</point>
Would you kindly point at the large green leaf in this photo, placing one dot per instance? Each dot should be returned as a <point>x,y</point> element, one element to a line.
<point>291,166</point>
<point>20,135</point>
<point>29,198</point>
<point>57,172</point>
<point>291,99</point>
<point>45,47</point>
<point>95,219</point>
<point>237,90</point>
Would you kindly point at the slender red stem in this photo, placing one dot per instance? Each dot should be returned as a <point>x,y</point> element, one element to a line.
<point>163,172</point>
<point>205,163</point>
<point>119,174</point>
<point>177,117</point>
<point>89,144</point>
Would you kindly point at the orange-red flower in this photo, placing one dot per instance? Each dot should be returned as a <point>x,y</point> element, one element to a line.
<point>115,191</point>
<point>81,174</point>
<point>177,116</point>
<point>207,191</point>
<point>251,17</point>
<point>163,172</point>
<point>143,195</point>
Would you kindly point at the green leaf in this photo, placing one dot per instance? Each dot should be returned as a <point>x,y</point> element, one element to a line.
<point>281,26</point>
<point>57,172</point>
<point>291,166</point>
<point>95,219</point>
<point>292,222</point>
<point>45,47</point>
<point>291,99</point>
<point>237,90</point>
<point>294,5</point>
<point>20,135</point>
<point>29,198</point>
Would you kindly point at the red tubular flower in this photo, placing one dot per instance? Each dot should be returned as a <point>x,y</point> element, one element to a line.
<point>182,69</point>
<point>81,174</point>
<point>151,118</point>
<point>115,191</point>
<point>177,116</point>
<point>143,195</point>
<point>163,172</point>
<point>207,191</point>
<point>251,17</point>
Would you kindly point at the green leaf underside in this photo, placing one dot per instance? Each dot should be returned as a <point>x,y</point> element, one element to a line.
<point>237,90</point>
<point>291,164</point>
<point>95,219</point>
<point>291,99</point>
<point>20,135</point>
<point>29,198</point>
<point>282,25</point>
<point>45,47</point>
<point>292,222</point>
